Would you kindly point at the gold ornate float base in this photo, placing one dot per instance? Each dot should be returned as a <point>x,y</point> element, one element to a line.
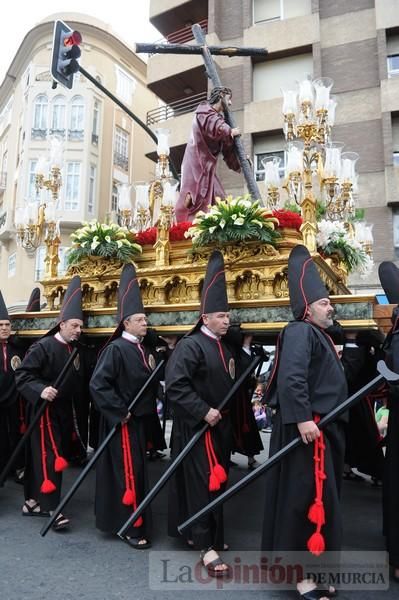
<point>255,273</point>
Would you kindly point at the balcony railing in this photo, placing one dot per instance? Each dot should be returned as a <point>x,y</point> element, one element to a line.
<point>174,109</point>
<point>121,161</point>
<point>3,219</point>
<point>183,35</point>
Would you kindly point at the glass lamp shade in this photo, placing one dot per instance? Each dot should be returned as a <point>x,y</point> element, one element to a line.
<point>294,158</point>
<point>322,87</point>
<point>290,102</point>
<point>20,216</point>
<point>163,141</point>
<point>348,163</point>
<point>124,196</point>
<point>332,162</point>
<point>271,167</point>
<point>306,91</point>
<point>142,198</point>
<point>56,151</point>
<point>170,192</point>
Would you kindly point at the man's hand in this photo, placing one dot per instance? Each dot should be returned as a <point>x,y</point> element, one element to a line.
<point>125,420</point>
<point>235,131</point>
<point>309,431</point>
<point>213,417</point>
<point>49,393</point>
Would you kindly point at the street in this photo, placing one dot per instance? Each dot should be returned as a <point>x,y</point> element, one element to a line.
<point>85,564</point>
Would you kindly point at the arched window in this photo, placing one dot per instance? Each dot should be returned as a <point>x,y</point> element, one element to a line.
<point>76,118</point>
<point>40,110</point>
<point>58,115</point>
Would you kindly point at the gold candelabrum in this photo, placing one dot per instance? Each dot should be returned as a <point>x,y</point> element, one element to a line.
<point>36,221</point>
<point>315,167</point>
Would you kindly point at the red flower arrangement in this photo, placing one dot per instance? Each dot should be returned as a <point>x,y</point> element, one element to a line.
<point>288,218</point>
<point>176,234</point>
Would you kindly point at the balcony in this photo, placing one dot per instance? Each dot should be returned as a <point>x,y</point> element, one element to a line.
<point>121,161</point>
<point>75,135</point>
<point>5,227</point>
<point>172,15</point>
<point>174,109</point>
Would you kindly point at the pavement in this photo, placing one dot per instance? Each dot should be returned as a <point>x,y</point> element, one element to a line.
<point>85,564</point>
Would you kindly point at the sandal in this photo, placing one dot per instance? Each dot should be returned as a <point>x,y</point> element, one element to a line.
<point>61,523</point>
<point>135,543</point>
<point>211,566</point>
<point>34,510</point>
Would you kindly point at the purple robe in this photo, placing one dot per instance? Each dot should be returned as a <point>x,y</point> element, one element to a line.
<point>210,135</point>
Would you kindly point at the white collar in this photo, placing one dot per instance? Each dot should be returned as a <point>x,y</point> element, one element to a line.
<point>131,338</point>
<point>209,333</point>
<point>59,337</point>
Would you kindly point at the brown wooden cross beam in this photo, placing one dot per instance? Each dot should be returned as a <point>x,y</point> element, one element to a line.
<point>207,51</point>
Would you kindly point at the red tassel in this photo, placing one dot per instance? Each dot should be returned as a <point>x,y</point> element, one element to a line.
<point>22,428</point>
<point>128,498</point>
<point>47,487</point>
<point>60,464</point>
<point>316,513</point>
<point>139,522</point>
<point>220,473</point>
<point>316,544</point>
<point>214,483</point>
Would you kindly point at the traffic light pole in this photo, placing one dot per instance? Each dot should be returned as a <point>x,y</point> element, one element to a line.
<point>127,111</point>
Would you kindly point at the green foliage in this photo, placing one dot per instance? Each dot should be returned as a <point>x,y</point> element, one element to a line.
<point>234,220</point>
<point>100,239</point>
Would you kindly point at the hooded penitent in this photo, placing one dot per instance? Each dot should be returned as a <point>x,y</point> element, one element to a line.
<point>3,309</point>
<point>389,277</point>
<point>34,301</point>
<point>214,292</point>
<point>71,305</point>
<point>304,282</point>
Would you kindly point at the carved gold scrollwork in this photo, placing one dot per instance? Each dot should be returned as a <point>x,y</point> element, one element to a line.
<point>111,294</point>
<point>280,285</point>
<point>248,286</point>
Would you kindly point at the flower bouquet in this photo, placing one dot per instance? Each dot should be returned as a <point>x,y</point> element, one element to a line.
<point>234,220</point>
<point>100,239</point>
<point>334,239</point>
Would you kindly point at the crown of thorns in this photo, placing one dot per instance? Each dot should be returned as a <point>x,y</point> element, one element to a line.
<point>217,93</point>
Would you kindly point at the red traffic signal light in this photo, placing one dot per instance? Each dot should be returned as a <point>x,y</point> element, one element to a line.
<point>65,53</point>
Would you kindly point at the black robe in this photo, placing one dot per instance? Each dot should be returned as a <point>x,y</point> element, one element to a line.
<point>11,411</point>
<point>39,369</point>
<point>199,374</point>
<point>363,441</point>
<point>310,380</point>
<point>391,471</point>
<point>120,373</point>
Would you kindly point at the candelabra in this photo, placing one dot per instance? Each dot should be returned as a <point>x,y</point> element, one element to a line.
<point>36,221</point>
<point>154,202</point>
<point>315,166</point>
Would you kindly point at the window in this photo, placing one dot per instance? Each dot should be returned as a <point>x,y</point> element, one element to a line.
<point>272,10</point>
<point>92,190</point>
<point>125,85</point>
<point>12,264</point>
<point>272,75</point>
<point>58,115</point>
<point>121,149</point>
<point>393,65</point>
<point>76,118</point>
<point>39,129</point>
<point>267,146</point>
<point>267,10</point>
<point>395,140</point>
<point>114,198</point>
<point>396,159</point>
<point>72,186</point>
<point>31,192</point>
<point>96,122</point>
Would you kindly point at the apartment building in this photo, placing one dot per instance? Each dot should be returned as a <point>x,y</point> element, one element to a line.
<point>102,145</point>
<point>355,43</point>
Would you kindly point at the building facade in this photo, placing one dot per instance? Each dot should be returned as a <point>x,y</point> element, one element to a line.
<point>102,145</point>
<point>355,43</point>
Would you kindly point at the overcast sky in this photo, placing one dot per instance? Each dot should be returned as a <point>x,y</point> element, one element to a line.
<point>129,19</point>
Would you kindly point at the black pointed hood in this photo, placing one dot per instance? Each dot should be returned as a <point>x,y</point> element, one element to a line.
<point>304,282</point>
<point>71,305</point>
<point>129,294</point>
<point>3,309</point>
<point>388,273</point>
<point>34,301</point>
<point>214,291</point>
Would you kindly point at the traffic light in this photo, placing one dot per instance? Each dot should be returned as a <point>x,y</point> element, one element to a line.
<point>65,53</point>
